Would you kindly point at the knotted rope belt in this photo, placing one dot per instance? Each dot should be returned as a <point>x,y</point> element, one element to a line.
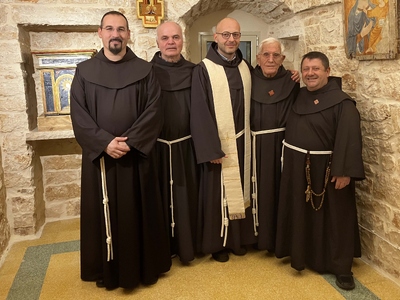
<point>106,210</point>
<point>254,195</point>
<point>309,191</point>
<point>171,180</point>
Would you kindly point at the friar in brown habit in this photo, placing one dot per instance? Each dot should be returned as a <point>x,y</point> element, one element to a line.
<point>317,215</point>
<point>116,118</point>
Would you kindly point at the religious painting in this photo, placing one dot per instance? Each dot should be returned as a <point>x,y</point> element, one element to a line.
<point>56,85</point>
<point>370,29</point>
<point>57,69</point>
<point>150,11</point>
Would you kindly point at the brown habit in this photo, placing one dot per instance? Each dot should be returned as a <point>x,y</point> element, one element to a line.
<point>111,99</point>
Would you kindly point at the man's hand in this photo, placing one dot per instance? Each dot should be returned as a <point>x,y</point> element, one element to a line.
<point>341,182</point>
<point>218,161</point>
<point>295,75</point>
<point>117,147</point>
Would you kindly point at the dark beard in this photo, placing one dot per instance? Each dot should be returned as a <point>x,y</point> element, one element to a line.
<point>117,49</point>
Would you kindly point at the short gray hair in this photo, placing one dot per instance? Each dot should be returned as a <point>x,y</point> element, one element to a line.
<point>270,40</point>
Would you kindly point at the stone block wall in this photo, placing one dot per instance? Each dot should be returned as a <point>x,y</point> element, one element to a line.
<point>61,185</point>
<point>4,226</point>
<point>41,171</point>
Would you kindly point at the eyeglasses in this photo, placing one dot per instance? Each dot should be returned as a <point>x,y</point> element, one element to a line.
<point>110,29</point>
<point>226,35</point>
<point>274,55</point>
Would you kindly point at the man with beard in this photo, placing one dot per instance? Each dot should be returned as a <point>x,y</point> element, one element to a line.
<point>177,164</point>
<point>220,127</point>
<point>274,90</point>
<point>116,116</point>
<point>317,215</point>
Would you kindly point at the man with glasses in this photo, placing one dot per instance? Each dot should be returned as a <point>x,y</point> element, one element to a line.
<point>117,118</point>
<point>220,127</point>
<point>274,90</point>
<point>177,164</point>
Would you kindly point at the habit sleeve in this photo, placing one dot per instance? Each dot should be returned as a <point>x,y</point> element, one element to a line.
<point>89,135</point>
<point>202,118</point>
<point>347,152</point>
<point>145,130</point>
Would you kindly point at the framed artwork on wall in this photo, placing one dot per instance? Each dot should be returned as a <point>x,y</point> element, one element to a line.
<point>370,29</point>
<point>151,12</point>
<point>57,69</point>
<point>248,45</point>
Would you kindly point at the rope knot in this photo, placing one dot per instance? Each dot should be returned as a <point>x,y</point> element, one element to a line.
<point>108,240</point>
<point>105,200</point>
<point>173,224</point>
<point>226,221</point>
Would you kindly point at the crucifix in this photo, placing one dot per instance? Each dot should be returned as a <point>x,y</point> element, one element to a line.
<point>150,11</point>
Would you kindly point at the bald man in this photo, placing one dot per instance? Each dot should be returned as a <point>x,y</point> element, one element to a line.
<point>178,169</point>
<point>220,127</point>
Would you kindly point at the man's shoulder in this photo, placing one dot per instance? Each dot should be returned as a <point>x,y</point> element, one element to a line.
<point>308,102</point>
<point>248,64</point>
<point>87,63</point>
<point>100,59</point>
<point>199,66</point>
<point>189,64</point>
<point>138,60</point>
<point>114,74</point>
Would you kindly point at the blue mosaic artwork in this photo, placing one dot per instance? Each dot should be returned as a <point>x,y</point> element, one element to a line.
<point>57,85</point>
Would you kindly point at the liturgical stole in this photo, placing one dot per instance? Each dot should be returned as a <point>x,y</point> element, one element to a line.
<point>237,198</point>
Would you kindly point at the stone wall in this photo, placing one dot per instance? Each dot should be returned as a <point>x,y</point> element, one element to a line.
<point>4,226</point>
<point>41,170</point>
<point>61,167</point>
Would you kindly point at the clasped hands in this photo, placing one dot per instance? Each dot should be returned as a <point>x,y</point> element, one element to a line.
<point>117,147</point>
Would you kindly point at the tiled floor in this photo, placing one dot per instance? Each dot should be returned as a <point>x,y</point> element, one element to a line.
<point>48,268</point>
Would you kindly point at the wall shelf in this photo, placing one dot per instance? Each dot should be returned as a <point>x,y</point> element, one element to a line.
<point>36,135</point>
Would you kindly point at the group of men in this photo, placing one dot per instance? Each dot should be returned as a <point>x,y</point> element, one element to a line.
<point>181,159</point>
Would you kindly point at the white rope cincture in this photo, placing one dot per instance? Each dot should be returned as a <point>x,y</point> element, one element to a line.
<point>298,149</point>
<point>224,203</point>
<point>254,195</point>
<point>110,255</point>
<point>224,213</point>
<point>171,180</point>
